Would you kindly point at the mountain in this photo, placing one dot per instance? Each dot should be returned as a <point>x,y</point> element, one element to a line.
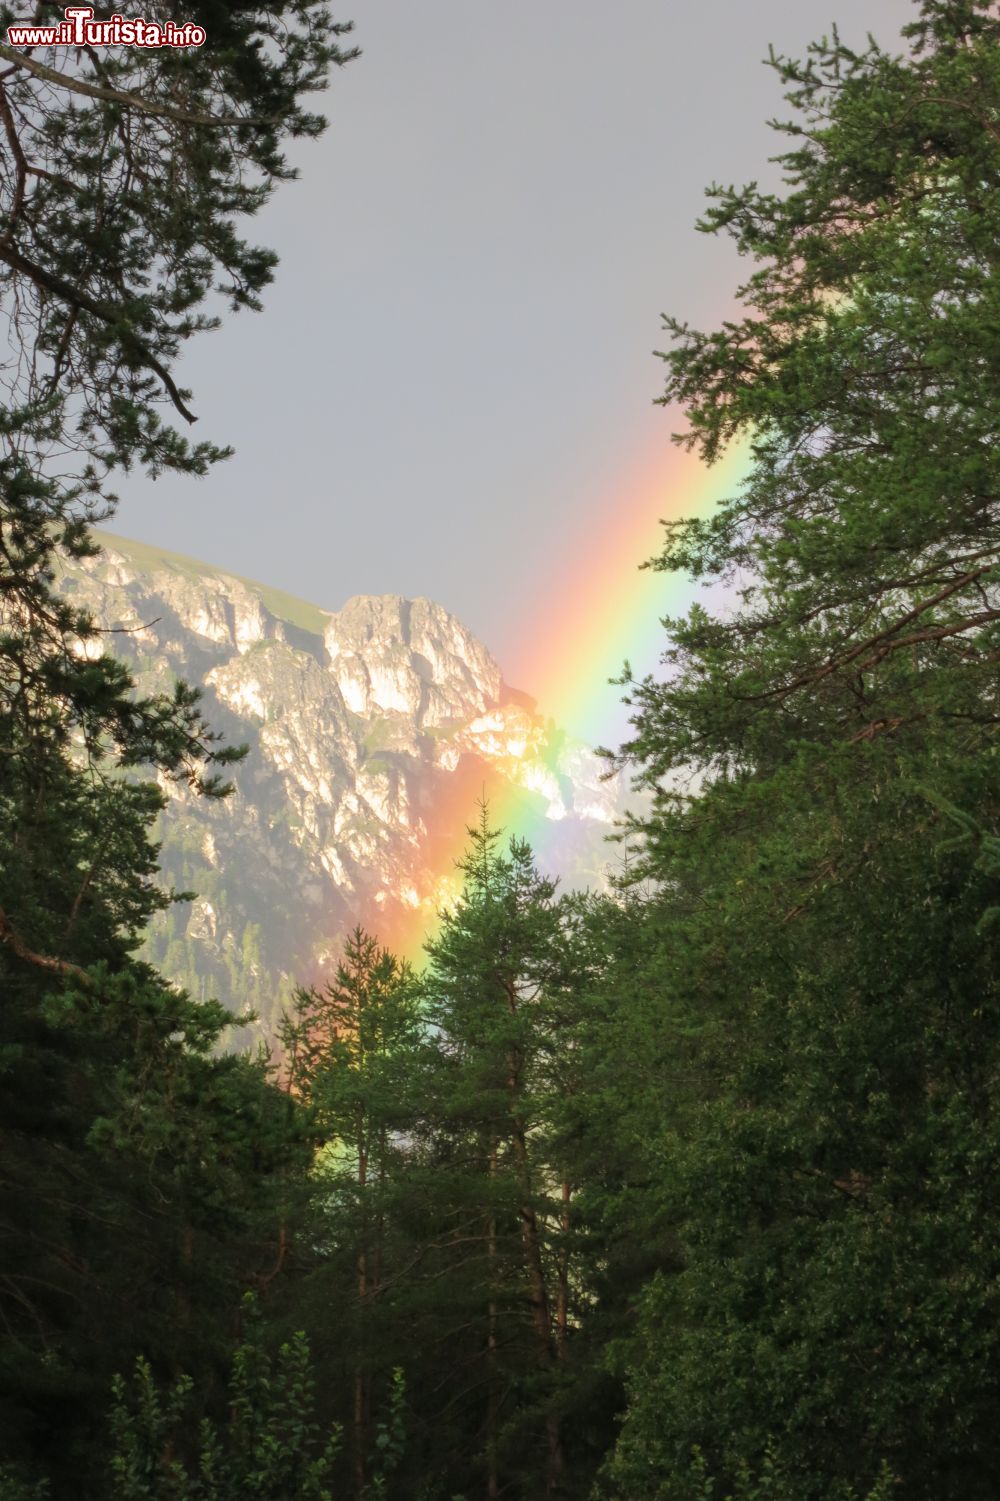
<point>372,730</point>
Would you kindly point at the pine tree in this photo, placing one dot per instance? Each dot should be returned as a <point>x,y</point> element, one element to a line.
<point>351,1055</point>
<point>124,173</point>
<point>140,1171</point>
<point>491,992</point>
<point>824,966</point>
<point>122,179</point>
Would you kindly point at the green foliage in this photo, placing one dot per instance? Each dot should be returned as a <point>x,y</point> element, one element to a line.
<point>444,1227</point>
<point>347,1047</point>
<point>495,992</point>
<point>112,255</point>
<point>143,1175</point>
<point>819,916</point>
<point>271,1448</point>
<point>771,1484</point>
<point>353,1058</point>
<point>864,375</point>
<point>390,1439</point>
<point>108,258</point>
<point>15,1488</point>
<point>716,1153</point>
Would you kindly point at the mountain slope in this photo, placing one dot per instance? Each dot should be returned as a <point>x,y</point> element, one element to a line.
<point>372,730</point>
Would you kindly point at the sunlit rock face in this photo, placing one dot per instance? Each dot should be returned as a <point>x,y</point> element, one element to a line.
<point>408,656</point>
<point>371,731</point>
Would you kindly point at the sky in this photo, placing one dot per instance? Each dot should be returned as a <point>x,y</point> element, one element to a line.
<point>451,390</point>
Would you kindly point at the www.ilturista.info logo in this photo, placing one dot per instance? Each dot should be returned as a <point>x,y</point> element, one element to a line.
<point>81,30</point>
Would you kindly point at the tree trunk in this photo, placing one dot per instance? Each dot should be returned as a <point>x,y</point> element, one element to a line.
<point>493,1404</point>
<point>540,1305</point>
<point>562,1301</point>
<point>540,1308</point>
<point>358,1415</point>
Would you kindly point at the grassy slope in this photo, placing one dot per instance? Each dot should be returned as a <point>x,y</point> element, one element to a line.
<point>297,612</point>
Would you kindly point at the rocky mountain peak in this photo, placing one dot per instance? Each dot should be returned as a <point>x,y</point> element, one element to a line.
<point>409,656</point>
<point>372,730</point>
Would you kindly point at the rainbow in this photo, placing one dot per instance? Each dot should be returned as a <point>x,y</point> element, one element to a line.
<point>603,609</point>
<point>606,608</point>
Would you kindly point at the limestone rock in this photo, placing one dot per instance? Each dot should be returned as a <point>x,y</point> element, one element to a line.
<point>371,730</point>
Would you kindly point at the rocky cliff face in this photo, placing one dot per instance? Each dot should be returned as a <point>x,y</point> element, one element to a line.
<point>372,730</point>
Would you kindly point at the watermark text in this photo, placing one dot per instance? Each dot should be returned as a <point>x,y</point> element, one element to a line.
<point>81,30</point>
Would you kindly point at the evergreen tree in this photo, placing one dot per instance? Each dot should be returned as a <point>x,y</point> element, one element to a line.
<point>825,967</point>
<point>351,1054</point>
<point>496,971</point>
<point>122,178</point>
<point>124,172</point>
<point>141,1173</point>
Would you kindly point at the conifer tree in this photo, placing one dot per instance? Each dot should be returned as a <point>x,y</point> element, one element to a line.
<point>351,1056</point>
<point>825,967</point>
<point>491,988</point>
<point>140,1171</point>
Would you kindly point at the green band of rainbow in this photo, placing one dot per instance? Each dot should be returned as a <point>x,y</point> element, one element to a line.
<point>601,610</point>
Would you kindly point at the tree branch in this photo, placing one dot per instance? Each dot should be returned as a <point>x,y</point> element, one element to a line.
<point>123,96</point>
<point>884,638</point>
<point>14,941</point>
<point>20,162</point>
<point>83,303</point>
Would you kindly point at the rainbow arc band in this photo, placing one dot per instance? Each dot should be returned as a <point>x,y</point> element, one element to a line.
<point>606,610</point>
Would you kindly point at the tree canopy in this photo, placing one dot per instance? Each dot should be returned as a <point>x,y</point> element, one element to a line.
<point>144,1176</point>
<point>821,898</point>
<point>682,1191</point>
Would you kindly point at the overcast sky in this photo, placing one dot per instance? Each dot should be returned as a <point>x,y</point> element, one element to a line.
<point>453,376</point>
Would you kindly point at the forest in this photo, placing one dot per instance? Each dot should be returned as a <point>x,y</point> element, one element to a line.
<point>688,1190</point>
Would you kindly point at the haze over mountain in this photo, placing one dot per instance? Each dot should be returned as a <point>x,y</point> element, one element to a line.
<point>372,730</point>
